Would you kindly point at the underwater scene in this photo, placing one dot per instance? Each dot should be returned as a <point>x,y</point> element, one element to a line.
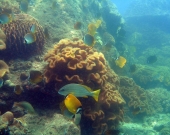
<point>84,67</point>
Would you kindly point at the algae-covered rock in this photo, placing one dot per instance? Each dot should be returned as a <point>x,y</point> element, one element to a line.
<point>44,125</point>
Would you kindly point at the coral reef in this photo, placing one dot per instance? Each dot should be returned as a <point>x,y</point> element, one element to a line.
<point>75,62</point>
<point>159,99</point>
<point>15,32</point>
<point>20,65</point>
<point>151,77</point>
<point>25,125</point>
<point>144,75</point>
<point>108,38</point>
<point>135,96</point>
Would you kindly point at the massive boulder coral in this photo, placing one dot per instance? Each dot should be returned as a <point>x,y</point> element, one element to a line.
<point>74,62</point>
<point>15,32</point>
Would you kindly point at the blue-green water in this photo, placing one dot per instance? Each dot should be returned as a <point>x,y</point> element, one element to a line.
<point>126,60</point>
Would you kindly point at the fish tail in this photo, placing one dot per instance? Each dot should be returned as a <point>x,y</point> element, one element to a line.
<point>96,94</point>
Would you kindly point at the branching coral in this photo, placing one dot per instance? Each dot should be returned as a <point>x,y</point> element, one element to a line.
<point>15,32</point>
<point>75,62</point>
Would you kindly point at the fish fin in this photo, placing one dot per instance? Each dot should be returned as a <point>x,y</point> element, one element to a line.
<point>96,94</point>
<point>15,104</point>
<point>87,88</point>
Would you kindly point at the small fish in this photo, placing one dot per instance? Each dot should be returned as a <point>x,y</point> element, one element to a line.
<point>65,111</point>
<point>76,117</point>
<point>35,77</point>
<point>26,106</point>
<point>33,28</point>
<point>79,90</point>
<point>121,61</point>
<point>136,110</point>
<point>132,68</point>
<point>1,82</point>
<point>72,103</point>
<point>46,33</point>
<point>151,59</point>
<point>5,18</point>
<point>18,89</point>
<point>23,6</point>
<point>29,38</point>
<point>89,40</point>
<point>77,25</point>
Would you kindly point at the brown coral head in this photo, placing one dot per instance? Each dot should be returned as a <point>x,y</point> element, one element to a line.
<point>73,61</point>
<point>2,45</point>
<point>15,32</point>
<point>8,117</point>
<point>3,68</point>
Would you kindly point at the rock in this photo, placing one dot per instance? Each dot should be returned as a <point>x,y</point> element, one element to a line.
<point>44,125</point>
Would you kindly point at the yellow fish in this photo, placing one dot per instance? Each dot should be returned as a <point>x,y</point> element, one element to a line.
<point>72,103</point>
<point>35,77</point>
<point>65,111</point>
<point>121,61</point>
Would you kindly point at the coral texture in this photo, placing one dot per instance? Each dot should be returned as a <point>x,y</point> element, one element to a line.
<point>135,96</point>
<point>75,62</point>
<point>159,99</point>
<point>2,45</point>
<point>2,40</point>
<point>15,32</point>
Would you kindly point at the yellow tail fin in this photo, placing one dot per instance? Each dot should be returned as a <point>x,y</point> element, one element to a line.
<point>96,94</point>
